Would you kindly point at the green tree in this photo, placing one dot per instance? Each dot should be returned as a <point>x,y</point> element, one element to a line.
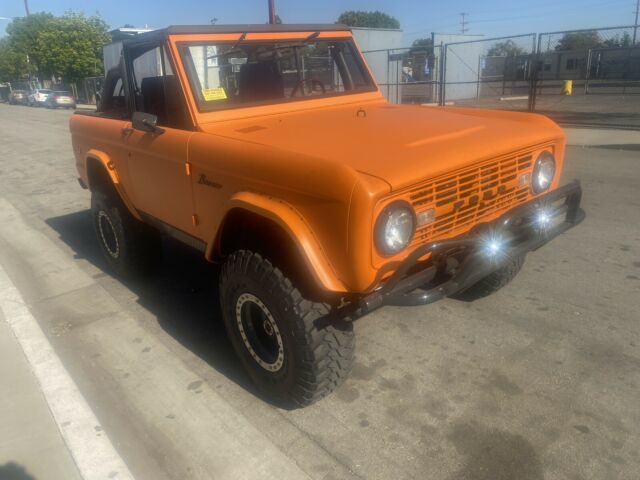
<point>424,44</point>
<point>71,46</point>
<point>13,64</point>
<point>508,48</point>
<point>23,34</point>
<point>579,41</point>
<point>623,40</point>
<point>368,19</point>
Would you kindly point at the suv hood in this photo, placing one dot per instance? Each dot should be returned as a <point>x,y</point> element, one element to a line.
<point>401,144</point>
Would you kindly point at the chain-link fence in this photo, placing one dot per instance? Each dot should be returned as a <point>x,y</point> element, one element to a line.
<point>407,75</point>
<point>491,73</point>
<point>577,76</point>
<point>589,76</point>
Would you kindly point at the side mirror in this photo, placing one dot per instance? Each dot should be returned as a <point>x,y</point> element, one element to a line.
<point>146,122</point>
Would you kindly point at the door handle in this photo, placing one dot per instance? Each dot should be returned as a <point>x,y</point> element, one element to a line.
<point>126,131</point>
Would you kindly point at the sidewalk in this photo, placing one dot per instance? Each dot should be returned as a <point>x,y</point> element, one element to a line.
<point>602,137</point>
<point>31,447</point>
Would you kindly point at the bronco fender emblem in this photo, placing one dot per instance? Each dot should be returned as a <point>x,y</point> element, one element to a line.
<point>203,180</point>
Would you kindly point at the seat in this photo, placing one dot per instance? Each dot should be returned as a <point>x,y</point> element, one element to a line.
<point>260,81</point>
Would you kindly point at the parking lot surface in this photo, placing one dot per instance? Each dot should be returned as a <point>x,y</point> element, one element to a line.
<point>539,381</point>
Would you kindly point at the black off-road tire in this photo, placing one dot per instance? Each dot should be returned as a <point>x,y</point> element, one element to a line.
<point>492,282</point>
<point>316,356</point>
<point>130,247</point>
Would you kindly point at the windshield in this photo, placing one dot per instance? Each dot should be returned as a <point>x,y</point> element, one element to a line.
<point>233,74</point>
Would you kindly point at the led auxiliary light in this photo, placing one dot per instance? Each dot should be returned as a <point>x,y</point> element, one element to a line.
<point>494,245</point>
<point>543,218</point>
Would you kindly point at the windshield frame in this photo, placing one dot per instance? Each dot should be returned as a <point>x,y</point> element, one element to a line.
<point>281,41</point>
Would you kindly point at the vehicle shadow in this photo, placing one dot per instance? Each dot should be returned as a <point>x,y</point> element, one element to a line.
<point>13,471</point>
<point>182,294</point>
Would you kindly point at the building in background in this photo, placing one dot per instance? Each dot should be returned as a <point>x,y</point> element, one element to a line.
<point>385,63</point>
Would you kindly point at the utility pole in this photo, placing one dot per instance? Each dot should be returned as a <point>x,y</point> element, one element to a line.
<point>635,25</point>
<point>26,7</point>
<point>463,23</point>
<point>272,12</point>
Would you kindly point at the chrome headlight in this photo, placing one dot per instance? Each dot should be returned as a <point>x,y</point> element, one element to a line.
<point>395,228</point>
<point>543,172</point>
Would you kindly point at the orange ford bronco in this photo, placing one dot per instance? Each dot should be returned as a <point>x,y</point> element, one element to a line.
<point>271,149</point>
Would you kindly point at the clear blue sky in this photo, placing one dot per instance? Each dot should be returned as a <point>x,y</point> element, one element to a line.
<point>417,17</point>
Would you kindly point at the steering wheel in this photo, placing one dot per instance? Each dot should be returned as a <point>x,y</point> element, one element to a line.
<point>314,83</point>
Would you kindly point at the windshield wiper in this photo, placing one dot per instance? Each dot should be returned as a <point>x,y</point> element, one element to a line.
<point>311,37</point>
<point>232,49</point>
<point>240,40</point>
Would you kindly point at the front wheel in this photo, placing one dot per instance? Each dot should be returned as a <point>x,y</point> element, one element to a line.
<point>275,332</point>
<point>130,247</point>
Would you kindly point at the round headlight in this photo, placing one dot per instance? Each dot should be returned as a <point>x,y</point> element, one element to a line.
<point>395,228</point>
<point>543,172</point>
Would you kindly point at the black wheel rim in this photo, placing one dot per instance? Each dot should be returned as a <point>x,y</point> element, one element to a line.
<point>259,332</point>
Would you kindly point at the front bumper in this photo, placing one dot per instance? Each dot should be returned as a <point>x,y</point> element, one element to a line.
<point>459,263</point>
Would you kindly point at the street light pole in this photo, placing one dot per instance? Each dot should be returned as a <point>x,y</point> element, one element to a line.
<point>26,7</point>
<point>272,12</point>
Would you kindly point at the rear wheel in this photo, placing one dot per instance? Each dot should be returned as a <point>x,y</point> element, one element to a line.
<point>494,281</point>
<point>293,359</point>
<point>130,247</point>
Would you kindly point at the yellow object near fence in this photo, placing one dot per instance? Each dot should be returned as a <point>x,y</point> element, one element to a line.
<point>567,87</point>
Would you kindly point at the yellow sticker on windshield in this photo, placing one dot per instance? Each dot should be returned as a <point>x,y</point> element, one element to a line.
<point>212,94</point>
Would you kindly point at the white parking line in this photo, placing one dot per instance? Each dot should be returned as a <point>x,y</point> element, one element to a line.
<point>91,449</point>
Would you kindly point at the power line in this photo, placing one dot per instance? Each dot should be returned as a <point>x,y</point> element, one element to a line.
<point>463,23</point>
<point>552,12</point>
<point>523,11</point>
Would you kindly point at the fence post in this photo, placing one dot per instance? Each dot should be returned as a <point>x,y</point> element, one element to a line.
<point>388,79</point>
<point>533,83</point>
<point>504,75</point>
<point>443,75</point>
<point>479,77</point>
<point>587,73</point>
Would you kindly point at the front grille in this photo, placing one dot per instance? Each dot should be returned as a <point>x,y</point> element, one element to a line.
<point>472,195</point>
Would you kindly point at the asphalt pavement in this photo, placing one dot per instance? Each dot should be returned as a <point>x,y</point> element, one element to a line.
<point>539,381</point>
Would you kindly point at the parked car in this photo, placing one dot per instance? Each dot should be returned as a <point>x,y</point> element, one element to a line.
<point>18,97</point>
<point>60,99</point>
<point>38,96</point>
<point>321,200</point>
